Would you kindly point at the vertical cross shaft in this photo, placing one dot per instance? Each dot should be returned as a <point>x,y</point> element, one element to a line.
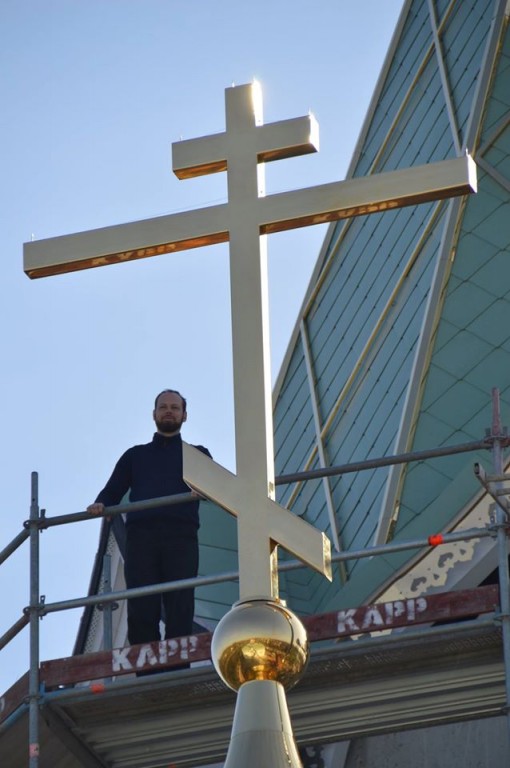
<point>244,141</point>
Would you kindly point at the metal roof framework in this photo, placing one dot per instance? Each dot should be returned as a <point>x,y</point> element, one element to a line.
<point>436,296</point>
<point>439,82</point>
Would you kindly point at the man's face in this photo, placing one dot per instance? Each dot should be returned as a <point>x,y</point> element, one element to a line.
<point>169,414</point>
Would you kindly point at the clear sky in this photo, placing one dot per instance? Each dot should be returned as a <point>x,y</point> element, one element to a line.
<point>93,93</point>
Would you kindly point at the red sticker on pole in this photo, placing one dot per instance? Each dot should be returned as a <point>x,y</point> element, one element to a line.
<point>435,539</point>
<point>33,750</point>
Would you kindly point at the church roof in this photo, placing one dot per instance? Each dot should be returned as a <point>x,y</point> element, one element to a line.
<point>404,330</point>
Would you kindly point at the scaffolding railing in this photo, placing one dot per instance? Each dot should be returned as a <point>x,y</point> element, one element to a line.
<point>497,485</point>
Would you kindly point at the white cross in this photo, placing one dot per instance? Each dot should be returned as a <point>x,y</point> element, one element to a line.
<point>244,221</point>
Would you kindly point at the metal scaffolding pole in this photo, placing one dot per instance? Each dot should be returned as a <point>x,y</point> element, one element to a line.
<point>14,630</point>
<point>498,434</point>
<point>13,546</point>
<point>295,477</point>
<point>387,461</point>
<point>33,684</point>
<point>290,565</point>
<point>119,509</point>
<point>108,607</point>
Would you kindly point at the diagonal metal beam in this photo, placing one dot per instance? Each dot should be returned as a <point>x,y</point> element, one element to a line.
<point>319,441</point>
<point>444,77</point>
<point>421,358</point>
<point>494,174</point>
<point>65,730</point>
<point>369,344</point>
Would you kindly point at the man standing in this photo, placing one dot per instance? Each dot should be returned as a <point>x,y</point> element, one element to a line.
<point>161,543</point>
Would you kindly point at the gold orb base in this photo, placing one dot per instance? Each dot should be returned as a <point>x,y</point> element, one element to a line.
<point>260,639</point>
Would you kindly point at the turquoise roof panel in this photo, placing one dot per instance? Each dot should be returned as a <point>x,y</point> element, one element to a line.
<point>406,316</point>
<point>217,554</point>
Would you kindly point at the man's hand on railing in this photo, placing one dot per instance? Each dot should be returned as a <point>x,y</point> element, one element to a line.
<point>96,508</point>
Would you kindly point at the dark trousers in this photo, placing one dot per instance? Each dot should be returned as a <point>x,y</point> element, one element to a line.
<point>155,553</point>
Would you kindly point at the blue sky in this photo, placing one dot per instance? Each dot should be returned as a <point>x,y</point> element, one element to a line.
<point>93,94</point>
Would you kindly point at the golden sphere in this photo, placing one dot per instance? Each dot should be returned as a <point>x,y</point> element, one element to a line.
<point>260,640</point>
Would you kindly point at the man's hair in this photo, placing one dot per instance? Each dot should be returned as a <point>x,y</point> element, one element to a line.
<point>171,392</point>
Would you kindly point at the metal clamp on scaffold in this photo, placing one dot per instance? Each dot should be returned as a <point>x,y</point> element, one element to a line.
<point>494,485</point>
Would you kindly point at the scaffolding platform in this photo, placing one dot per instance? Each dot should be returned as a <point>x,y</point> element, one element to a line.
<point>413,677</point>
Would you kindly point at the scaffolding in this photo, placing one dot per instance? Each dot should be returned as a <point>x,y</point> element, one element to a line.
<point>479,601</point>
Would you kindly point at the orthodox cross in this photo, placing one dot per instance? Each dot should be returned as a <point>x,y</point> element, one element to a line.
<point>244,221</point>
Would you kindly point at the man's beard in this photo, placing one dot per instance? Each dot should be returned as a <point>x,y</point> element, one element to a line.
<point>168,426</point>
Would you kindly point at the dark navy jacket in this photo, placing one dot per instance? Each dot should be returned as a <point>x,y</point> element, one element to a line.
<point>149,471</point>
